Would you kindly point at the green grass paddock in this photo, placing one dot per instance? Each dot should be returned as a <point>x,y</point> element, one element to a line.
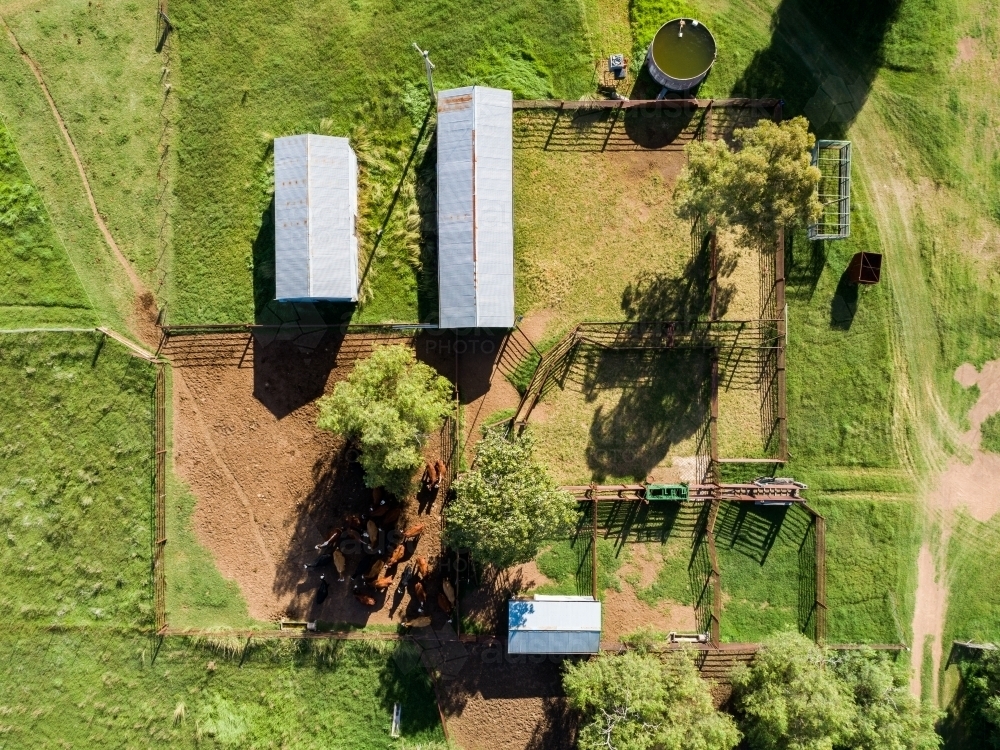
<point>76,436</point>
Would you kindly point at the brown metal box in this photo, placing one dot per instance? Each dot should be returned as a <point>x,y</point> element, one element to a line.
<point>865,268</point>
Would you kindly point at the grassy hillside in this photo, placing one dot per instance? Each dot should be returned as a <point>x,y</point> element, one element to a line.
<point>100,66</point>
<point>51,170</point>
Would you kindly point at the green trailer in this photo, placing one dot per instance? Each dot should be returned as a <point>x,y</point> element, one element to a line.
<point>671,493</point>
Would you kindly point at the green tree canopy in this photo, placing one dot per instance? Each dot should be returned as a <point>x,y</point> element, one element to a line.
<point>763,185</point>
<point>642,701</point>
<point>505,507</point>
<point>789,700</point>
<point>886,716</point>
<point>388,404</point>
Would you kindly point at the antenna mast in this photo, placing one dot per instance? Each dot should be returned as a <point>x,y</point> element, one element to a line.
<point>429,67</point>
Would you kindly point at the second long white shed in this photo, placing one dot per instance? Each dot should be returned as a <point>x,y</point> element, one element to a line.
<point>475,205</point>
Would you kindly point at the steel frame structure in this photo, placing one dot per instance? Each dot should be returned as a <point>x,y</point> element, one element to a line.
<point>834,161</point>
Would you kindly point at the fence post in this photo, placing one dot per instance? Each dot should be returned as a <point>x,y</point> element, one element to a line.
<point>716,577</point>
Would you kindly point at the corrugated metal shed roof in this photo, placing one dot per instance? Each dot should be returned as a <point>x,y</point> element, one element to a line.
<point>315,212</point>
<point>475,163</point>
<point>554,625</point>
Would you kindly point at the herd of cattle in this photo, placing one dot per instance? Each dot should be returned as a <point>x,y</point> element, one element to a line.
<point>379,547</point>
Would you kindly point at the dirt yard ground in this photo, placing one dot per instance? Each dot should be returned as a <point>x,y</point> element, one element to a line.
<point>269,484</point>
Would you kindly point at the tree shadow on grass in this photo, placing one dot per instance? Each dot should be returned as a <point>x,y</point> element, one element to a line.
<point>814,45</point>
<point>664,399</point>
<point>686,296</point>
<point>804,263</point>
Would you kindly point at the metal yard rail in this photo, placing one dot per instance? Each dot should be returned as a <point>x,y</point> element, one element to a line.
<point>745,493</point>
<point>785,494</point>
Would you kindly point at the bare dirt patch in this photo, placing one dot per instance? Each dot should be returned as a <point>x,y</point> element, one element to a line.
<point>968,49</point>
<point>624,613</point>
<point>961,484</point>
<point>535,324</point>
<point>499,702</point>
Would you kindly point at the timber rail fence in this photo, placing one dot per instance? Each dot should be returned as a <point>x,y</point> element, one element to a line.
<point>159,500</point>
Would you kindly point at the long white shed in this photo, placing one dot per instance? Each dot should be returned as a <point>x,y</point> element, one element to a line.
<point>475,205</point>
<point>554,625</point>
<point>315,218</point>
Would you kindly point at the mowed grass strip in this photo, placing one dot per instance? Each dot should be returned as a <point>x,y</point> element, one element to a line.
<point>76,437</point>
<point>89,689</point>
<point>252,71</point>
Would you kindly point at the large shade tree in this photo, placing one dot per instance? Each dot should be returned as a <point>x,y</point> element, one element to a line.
<point>507,505</point>
<point>886,716</point>
<point>767,182</point>
<point>389,404</point>
<point>646,701</point>
<point>789,700</point>
<point>797,696</point>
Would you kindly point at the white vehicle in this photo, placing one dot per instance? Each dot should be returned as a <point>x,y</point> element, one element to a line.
<point>766,481</point>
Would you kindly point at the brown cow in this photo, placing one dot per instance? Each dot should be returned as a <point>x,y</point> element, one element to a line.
<point>340,563</point>
<point>353,534</point>
<point>448,589</point>
<point>368,601</point>
<point>413,532</point>
<point>331,538</point>
<point>374,570</point>
<point>390,518</point>
<point>430,478</point>
<point>372,530</point>
<point>382,582</point>
<point>421,595</point>
<point>444,604</point>
<point>422,567</point>
<point>396,556</point>
<point>442,469</point>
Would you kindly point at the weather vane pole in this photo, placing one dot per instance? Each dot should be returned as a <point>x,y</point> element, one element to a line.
<point>429,67</point>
